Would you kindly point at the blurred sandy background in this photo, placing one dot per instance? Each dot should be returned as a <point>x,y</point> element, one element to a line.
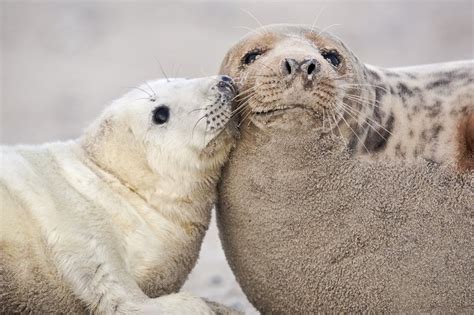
<point>63,61</point>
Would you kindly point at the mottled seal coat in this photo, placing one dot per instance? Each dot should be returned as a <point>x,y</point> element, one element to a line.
<point>113,221</point>
<point>351,187</point>
<point>381,113</point>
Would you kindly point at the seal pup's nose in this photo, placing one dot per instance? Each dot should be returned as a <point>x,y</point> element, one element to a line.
<point>226,85</point>
<point>226,78</point>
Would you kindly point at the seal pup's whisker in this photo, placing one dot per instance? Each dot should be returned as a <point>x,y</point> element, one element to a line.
<point>162,70</point>
<point>154,93</point>
<point>198,109</point>
<point>140,89</point>
<point>176,72</point>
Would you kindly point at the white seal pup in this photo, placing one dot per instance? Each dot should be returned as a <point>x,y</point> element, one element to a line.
<point>113,222</point>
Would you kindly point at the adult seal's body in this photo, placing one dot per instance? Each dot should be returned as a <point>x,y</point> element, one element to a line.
<point>350,188</point>
<point>113,222</point>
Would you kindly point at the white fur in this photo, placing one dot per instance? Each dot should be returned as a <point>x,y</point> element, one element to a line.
<point>122,206</point>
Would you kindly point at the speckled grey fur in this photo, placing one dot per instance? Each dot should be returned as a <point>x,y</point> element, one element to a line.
<point>376,217</point>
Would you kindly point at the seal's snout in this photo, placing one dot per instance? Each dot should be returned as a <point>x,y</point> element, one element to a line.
<point>219,113</point>
<point>226,86</point>
<point>307,68</point>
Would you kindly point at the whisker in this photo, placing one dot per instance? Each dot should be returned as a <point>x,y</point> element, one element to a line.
<point>356,112</point>
<point>195,125</point>
<point>348,125</point>
<point>337,124</point>
<point>317,18</point>
<point>363,101</point>
<point>249,29</point>
<point>197,109</point>
<point>176,72</point>
<point>255,19</point>
<point>328,27</point>
<point>140,89</point>
<point>360,85</point>
<point>163,71</point>
<point>154,93</point>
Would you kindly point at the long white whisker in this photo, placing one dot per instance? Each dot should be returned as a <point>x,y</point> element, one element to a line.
<point>348,125</point>
<point>355,112</point>
<point>255,18</point>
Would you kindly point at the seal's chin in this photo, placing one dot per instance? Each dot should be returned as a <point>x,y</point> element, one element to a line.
<point>217,149</point>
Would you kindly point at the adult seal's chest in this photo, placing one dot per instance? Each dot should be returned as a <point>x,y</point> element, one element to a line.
<point>306,228</point>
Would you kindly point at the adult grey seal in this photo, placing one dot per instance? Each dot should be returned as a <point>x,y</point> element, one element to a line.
<point>351,187</point>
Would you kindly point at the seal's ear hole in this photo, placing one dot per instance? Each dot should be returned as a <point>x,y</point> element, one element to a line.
<point>161,114</point>
<point>332,57</point>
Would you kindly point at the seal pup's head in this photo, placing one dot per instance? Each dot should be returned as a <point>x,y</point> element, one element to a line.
<point>166,131</point>
<point>285,70</point>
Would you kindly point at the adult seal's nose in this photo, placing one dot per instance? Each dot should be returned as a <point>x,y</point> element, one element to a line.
<point>310,67</point>
<point>288,67</point>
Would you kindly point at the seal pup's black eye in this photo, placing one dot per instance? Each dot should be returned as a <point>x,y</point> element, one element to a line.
<point>332,57</point>
<point>161,114</point>
<point>251,56</point>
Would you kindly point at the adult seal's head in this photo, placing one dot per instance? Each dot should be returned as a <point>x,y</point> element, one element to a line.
<point>285,70</point>
<point>307,224</point>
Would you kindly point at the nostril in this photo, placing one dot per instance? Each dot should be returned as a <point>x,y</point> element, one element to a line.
<point>226,78</point>
<point>311,68</point>
<point>288,67</point>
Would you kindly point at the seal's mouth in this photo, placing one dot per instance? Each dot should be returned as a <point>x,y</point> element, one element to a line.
<point>271,111</point>
<point>277,111</point>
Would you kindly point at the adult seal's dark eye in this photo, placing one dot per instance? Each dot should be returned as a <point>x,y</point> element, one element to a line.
<point>161,114</point>
<point>333,58</point>
<point>251,57</point>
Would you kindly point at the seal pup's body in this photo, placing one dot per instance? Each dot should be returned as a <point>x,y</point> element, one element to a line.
<point>113,221</point>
